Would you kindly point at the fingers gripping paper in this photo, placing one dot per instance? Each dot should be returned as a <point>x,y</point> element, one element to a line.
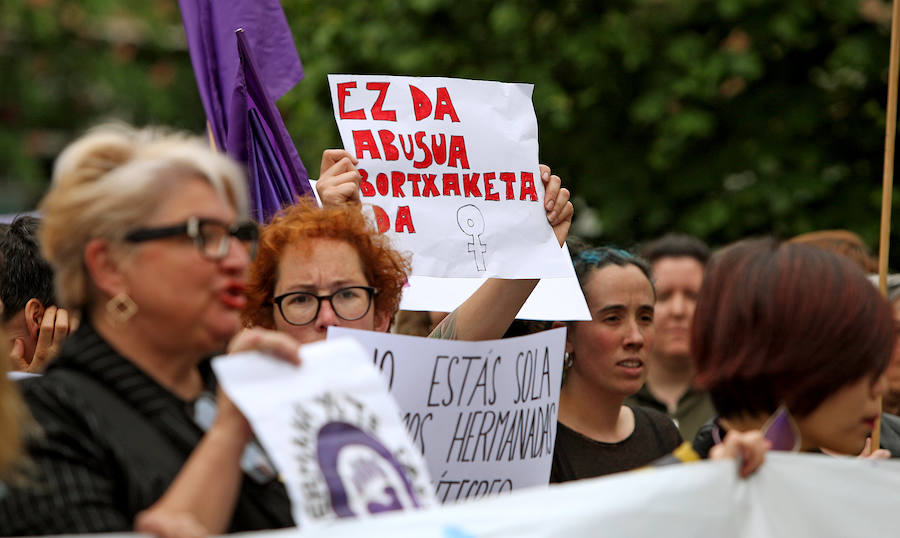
<point>451,169</point>
<point>332,430</point>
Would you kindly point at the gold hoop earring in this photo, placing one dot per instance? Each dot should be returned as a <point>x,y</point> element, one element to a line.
<point>121,308</point>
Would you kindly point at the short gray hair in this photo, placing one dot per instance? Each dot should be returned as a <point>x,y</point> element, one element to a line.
<point>110,181</point>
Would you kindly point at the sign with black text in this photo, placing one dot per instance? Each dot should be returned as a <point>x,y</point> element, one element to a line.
<point>482,413</point>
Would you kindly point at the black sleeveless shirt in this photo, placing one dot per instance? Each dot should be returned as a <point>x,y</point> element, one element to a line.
<point>576,456</point>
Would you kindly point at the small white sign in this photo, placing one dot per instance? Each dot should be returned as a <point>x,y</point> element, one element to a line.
<point>332,430</point>
<point>450,167</point>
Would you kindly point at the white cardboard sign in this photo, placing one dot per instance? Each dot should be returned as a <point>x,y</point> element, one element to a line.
<point>482,413</point>
<point>450,167</point>
<point>332,430</point>
<point>554,299</point>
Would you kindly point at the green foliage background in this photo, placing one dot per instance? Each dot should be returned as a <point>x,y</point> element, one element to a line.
<point>720,118</point>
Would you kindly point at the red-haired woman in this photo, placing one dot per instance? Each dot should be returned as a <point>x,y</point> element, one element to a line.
<point>791,325</point>
<point>321,267</point>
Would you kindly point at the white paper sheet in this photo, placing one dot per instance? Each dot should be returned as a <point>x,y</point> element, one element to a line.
<point>554,299</point>
<point>331,429</point>
<point>451,169</point>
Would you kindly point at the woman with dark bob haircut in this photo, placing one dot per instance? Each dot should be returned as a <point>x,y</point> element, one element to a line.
<point>791,325</point>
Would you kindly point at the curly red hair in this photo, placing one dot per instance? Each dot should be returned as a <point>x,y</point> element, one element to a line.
<point>385,268</point>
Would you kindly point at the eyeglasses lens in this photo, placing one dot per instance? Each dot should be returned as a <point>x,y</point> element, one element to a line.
<point>348,303</point>
<point>214,238</point>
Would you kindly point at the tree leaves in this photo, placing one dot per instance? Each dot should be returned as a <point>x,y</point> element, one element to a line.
<point>722,118</point>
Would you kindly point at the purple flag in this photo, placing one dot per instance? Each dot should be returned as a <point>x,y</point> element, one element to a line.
<point>210,27</point>
<point>239,93</point>
<point>257,136</point>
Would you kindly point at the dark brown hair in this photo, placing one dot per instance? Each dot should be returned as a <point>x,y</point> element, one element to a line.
<point>786,323</point>
<point>587,259</point>
<point>675,245</point>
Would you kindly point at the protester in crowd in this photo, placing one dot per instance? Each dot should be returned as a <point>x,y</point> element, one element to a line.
<point>792,326</point>
<point>677,261</point>
<point>851,246</point>
<point>597,432</point>
<point>146,236</point>
<point>323,267</point>
<point>35,326</point>
<point>843,242</point>
<point>605,363</point>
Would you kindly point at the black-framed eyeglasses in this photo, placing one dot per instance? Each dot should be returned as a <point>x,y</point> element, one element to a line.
<point>301,308</point>
<point>210,236</point>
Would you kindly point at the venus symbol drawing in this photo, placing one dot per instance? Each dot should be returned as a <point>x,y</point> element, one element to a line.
<point>471,222</point>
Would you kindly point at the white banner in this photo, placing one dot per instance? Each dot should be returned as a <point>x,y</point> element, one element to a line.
<point>792,495</point>
<point>332,430</point>
<point>482,413</point>
<point>451,169</point>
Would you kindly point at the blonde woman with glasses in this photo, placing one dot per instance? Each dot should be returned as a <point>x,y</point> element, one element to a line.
<point>148,236</point>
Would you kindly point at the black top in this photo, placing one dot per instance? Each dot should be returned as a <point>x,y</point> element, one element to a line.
<point>576,456</point>
<point>113,441</point>
<point>706,438</point>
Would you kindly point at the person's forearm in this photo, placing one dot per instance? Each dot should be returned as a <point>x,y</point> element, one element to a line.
<point>488,313</point>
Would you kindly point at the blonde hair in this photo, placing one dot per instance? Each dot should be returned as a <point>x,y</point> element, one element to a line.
<point>110,181</point>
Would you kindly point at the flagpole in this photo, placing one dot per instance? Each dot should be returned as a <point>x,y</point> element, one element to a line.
<point>212,139</point>
<point>888,177</point>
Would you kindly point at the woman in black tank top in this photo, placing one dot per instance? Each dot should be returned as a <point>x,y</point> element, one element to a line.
<point>606,362</point>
